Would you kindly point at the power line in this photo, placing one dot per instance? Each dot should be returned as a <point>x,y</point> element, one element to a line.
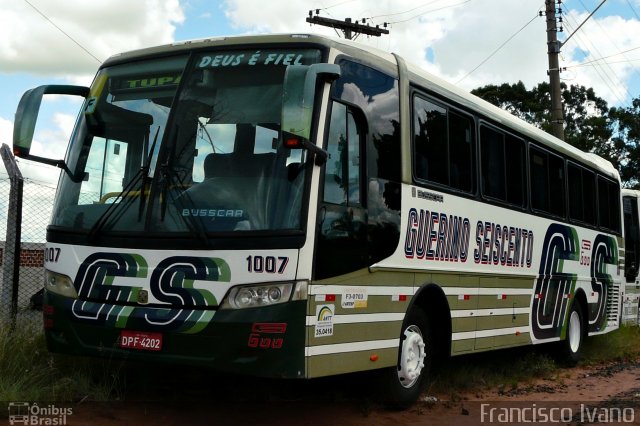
<point>62,31</point>
<point>406,11</point>
<point>633,9</point>
<point>429,11</point>
<point>338,4</point>
<point>607,74</point>
<point>498,48</point>
<point>607,57</point>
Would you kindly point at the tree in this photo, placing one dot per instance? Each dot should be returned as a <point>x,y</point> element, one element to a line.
<point>590,125</point>
<point>626,139</point>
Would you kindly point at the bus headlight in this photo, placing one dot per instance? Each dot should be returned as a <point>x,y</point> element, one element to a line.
<point>254,296</point>
<point>59,284</point>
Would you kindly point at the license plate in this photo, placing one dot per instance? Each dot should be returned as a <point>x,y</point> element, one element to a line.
<point>140,340</point>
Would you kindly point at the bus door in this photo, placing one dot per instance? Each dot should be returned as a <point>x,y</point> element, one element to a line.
<point>632,238</point>
<point>342,218</point>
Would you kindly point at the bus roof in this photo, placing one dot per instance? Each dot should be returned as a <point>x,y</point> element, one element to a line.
<point>630,192</point>
<point>386,60</point>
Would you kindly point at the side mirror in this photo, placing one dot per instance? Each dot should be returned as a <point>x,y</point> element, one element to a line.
<point>27,116</point>
<point>298,98</point>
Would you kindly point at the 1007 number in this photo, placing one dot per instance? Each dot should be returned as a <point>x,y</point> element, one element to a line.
<point>268,264</point>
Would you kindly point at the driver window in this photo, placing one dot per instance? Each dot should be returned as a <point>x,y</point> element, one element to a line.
<point>106,165</point>
<point>342,177</point>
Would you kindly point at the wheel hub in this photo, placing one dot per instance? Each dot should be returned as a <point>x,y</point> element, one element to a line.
<point>412,356</point>
<point>574,332</point>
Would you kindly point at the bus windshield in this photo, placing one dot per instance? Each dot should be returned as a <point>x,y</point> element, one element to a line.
<point>185,145</point>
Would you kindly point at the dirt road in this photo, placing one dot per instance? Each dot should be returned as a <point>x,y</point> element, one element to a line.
<point>604,394</point>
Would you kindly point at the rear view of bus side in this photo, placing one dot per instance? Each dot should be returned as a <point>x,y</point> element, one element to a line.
<point>296,206</point>
<point>631,299</point>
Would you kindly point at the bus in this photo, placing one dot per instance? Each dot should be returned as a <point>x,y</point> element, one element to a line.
<point>631,298</point>
<point>295,206</point>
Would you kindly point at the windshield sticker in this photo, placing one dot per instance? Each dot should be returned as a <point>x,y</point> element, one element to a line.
<point>90,105</point>
<point>158,81</point>
<point>324,320</point>
<point>257,58</point>
<point>354,298</point>
<point>212,213</point>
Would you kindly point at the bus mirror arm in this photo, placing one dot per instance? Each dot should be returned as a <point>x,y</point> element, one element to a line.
<point>75,177</point>
<point>321,155</point>
<point>27,116</point>
<point>299,95</point>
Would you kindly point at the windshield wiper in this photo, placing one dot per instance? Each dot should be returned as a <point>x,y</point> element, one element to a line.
<point>166,176</point>
<point>142,175</point>
<point>144,170</point>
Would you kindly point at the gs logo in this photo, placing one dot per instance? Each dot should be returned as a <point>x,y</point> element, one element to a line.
<point>171,283</point>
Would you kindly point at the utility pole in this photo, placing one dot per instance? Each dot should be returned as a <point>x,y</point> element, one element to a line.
<point>553,50</point>
<point>348,27</point>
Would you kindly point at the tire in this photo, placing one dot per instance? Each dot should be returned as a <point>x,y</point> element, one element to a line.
<point>570,351</point>
<point>402,385</point>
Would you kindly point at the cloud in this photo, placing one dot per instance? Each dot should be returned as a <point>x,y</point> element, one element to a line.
<point>450,38</point>
<point>603,38</point>
<point>29,41</point>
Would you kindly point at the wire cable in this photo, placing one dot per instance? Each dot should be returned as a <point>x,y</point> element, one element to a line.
<point>607,74</point>
<point>63,32</point>
<point>498,48</point>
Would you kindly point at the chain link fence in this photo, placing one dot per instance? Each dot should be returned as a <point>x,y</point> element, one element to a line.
<point>25,210</point>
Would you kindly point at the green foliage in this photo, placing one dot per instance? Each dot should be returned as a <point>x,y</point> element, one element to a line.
<point>622,345</point>
<point>590,125</point>
<point>511,368</point>
<point>491,369</point>
<point>28,372</point>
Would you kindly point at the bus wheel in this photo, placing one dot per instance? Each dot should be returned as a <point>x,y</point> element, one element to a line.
<point>403,383</point>
<point>571,348</point>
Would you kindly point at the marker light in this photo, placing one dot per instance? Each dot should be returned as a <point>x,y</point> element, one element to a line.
<point>59,284</point>
<point>292,143</point>
<point>254,296</point>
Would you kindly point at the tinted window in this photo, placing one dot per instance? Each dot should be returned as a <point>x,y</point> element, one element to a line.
<point>342,176</point>
<point>609,204</point>
<point>547,182</point>
<point>502,163</point>
<point>582,193</point>
<point>442,144</point>
<point>376,93</point>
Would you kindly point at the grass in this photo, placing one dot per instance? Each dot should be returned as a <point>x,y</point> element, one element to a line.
<point>512,368</point>
<point>622,345</point>
<point>28,372</point>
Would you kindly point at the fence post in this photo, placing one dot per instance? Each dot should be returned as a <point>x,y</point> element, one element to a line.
<point>11,253</point>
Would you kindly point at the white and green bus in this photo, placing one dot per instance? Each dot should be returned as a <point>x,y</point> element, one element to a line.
<point>631,297</point>
<point>295,206</point>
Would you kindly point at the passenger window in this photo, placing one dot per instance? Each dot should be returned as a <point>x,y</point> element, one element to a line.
<point>502,162</point>
<point>342,176</point>
<point>582,201</point>
<point>609,204</point>
<point>547,182</point>
<point>442,145</point>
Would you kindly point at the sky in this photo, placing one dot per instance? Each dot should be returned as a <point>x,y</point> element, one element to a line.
<point>470,43</point>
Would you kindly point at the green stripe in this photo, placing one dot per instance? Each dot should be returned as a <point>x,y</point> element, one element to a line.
<point>459,325</point>
<point>512,301</point>
<point>375,304</point>
<point>502,321</point>
<point>325,365</point>
<point>358,332</point>
<point>510,340</point>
